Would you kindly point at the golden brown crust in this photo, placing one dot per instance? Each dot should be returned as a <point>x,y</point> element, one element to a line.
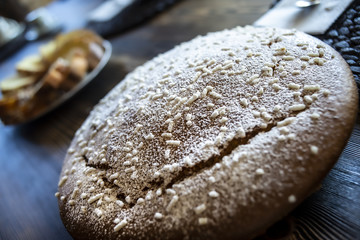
<point>221,136</point>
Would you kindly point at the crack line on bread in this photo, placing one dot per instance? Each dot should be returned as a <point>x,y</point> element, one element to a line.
<point>187,172</point>
<point>93,165</point>
<point>223,152</point>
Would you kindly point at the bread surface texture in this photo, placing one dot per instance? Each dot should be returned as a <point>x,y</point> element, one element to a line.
<point>217,138</point>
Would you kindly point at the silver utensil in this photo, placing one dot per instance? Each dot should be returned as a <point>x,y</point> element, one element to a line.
<point>307,3</point>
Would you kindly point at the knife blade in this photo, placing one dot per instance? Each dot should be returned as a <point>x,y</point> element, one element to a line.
<point>313,20</point>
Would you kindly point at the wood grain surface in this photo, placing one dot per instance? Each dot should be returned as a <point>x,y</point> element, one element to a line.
<point>31,155</point>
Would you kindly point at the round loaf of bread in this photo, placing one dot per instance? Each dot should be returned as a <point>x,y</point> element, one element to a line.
<point>217,138</point>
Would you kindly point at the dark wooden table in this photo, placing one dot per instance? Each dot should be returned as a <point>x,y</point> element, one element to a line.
<point>31,155</point>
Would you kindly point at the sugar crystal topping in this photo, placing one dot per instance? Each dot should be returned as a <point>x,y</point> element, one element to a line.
<point>177,125</point>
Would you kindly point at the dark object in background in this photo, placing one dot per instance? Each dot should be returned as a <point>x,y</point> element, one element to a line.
<point>37,24</point>
<point>13,9</point>
<point>12,46</point>
<point>344,36</point>
<point>131,15</point>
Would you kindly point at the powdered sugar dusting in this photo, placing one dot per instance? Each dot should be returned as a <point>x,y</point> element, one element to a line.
<point>196,131</point>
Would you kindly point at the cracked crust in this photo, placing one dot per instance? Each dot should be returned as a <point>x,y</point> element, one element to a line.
<point>221,136</point>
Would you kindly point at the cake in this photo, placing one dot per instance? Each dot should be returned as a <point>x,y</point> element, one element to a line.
<point>218,138</point>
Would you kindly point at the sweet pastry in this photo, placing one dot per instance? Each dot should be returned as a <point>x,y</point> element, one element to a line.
<point>42,81</point>
<point>217,138</point>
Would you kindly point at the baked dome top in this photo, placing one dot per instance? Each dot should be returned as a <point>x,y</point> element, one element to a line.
<point>221,136</point>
